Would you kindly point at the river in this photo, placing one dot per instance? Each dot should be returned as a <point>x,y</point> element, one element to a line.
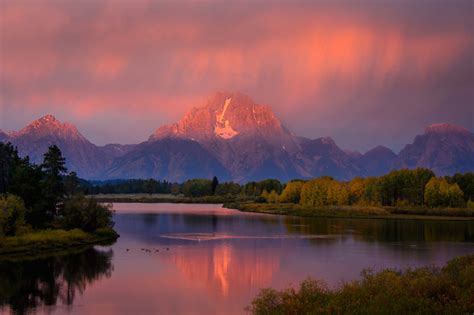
<point>205,259</point>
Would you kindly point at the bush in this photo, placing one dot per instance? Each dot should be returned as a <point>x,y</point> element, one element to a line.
<point>260,199</point>
<point>86,214</point>
<point>12,215</point>
<point>426,290</point>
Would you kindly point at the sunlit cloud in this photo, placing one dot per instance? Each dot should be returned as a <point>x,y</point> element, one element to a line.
<point>326,69</point>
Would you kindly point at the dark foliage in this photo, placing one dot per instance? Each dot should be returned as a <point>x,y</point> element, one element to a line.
<point>426,290</point>
<point>49,194</point>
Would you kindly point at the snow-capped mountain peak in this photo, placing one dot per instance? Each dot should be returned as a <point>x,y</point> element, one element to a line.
<point>222,127</point>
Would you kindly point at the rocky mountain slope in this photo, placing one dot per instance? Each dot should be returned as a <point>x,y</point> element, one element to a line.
<point>234,138</point>
<point>83,157</point>
<point>376,161</point>
<point>443,148</point>
<point>172,159</point>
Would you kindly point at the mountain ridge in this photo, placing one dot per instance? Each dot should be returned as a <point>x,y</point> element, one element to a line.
<point>239,140</point>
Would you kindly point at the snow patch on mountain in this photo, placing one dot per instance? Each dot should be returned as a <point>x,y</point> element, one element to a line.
<point>223,128</point>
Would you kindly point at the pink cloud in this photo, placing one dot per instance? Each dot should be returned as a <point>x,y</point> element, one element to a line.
<point>90,58</point>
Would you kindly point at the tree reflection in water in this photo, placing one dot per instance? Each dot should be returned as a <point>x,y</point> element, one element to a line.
<point>384,230</point>
<point>27,284</point>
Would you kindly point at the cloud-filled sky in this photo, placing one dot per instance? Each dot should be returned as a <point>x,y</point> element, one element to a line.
<point>364,72</point>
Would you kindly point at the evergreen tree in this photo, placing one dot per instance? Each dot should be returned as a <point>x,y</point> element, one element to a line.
<point>54,169</point>
<point>71,184</point>
<point>8,160</point>
<point>215,182</point>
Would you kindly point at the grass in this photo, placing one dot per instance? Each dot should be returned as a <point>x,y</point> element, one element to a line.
<point>354,211</point>
<point>47,241</point>
<point>426,290</point>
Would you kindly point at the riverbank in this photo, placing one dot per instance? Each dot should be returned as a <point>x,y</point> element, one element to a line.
<point>45,242</point>
<point>425,290</point>
<point>367,212</point>
<point>163,198</point>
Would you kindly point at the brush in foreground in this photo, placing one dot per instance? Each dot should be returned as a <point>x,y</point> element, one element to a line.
<point>426,290</point>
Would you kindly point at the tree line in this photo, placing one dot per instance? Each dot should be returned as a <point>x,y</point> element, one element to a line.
<point>417,187</point>
<point>44,196</point>
<point>189,188</point>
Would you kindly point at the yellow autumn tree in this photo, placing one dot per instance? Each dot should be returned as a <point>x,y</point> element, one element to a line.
<point>440,193</point>
<point>292,192</point>
<point>356,190</point>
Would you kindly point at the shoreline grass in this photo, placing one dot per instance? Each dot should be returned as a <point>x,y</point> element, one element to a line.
<point>45,242</point>
<point>354,212</point>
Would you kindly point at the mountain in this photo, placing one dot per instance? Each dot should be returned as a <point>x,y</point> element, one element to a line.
<point>376,162</point>
<point>83,157</point>
<point>172,159</point>
<point>227,116</point>
<point>115,150</point>
<point>3,136</point>
<point>443,148</point>
<point>247,138</point>
<point>319,157</point>
<point>234,138</point>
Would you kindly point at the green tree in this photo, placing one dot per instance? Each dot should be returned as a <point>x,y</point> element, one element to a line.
<point>12,215</point>
<point>455,196</point>
<point>71,184</point>
<point>433,195</point>
<point>372,192</point>
<point>149,186</point>
<point>214,184</point>
<point>54,169</point>
<point>197,188</point>
<point>404,186</point>
<point>440,193</point>
<point>257,188</point>
<point>466,184</point>
<point>228,189</point>
<point>86,214</point>
<point>8,160</point>
<point>27,184</point>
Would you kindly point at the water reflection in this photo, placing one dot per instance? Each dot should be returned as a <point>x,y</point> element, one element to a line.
<point>29,284</point>
<point>227,270</point>
<point>203,259</point>
<point>386,230</point>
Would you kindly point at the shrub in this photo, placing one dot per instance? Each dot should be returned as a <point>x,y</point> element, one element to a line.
<point>12,215</point>
<point>260,199</point>
<point>426,290</point>
<point>86,214</point>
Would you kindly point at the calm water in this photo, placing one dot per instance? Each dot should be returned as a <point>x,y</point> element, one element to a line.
<point>204,259</point>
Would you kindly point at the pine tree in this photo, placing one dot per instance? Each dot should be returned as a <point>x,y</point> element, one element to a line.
<point>215,182</point>
<point>54,169</point>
